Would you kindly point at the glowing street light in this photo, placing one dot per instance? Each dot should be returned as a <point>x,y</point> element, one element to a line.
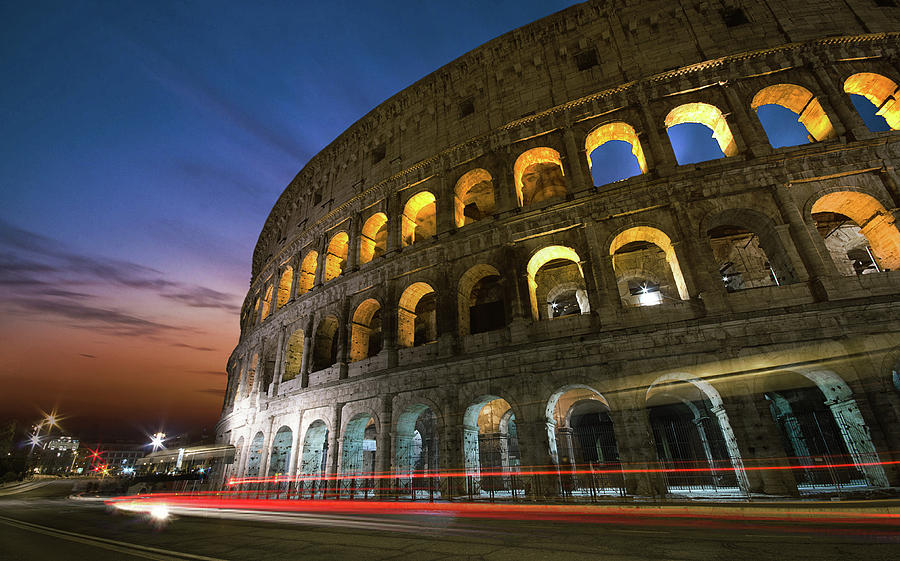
<point>157,441</point>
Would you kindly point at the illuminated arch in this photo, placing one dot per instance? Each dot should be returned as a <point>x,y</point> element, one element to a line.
<point>658,238</point>
<point>473,197</point>
<point>267,303</point>
<point>535,168</point>
<point>280,457</point>
<point>412,319</point>
<point>874,221</point>
<point>365,332</point>
<point>373,238</point>
<point>541,258</point>
<point>880,91</point>
<point>358,450</point>
<point>418,218</point>
<point>490,422</point>
<point>336,256</point>
<point>465,297</point>
<point>800,101</point>
<point>284,287</point>
<point>618,130</point>
<point>307,273</point>
<point>293,355</point>
<point>709,116</point>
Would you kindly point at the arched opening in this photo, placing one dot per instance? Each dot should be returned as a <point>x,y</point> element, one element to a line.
<point>875,97</point>
<point>693,437</point>
<point>693,144</point>
<point>556,283</point>
<point>281,451</point>
<point>254,455</point>
<point>473,197</point>
<point>418,220</point>
<point>417,316</point>
<point>326,344</point>
<point>251,375</point>
<point>859,233</point>
<point>480,301</point>
<point>266,303</point>
<point>583,442</point>
<point>491,448</point>
<point>791,115</point>
<point>418,470</point>
<point>539,176</point>
<point>293,355</point>
<point>823,433</point>
<point>373,238</point>
<point>307,273</point>
<point>358,457</point>
<point>336,256</point>
<point>748,251</point>
<point>614,153</point>
<point>365,332</point>
<point>284,287</point>
<point>313,460</point>
<point>646,267</point>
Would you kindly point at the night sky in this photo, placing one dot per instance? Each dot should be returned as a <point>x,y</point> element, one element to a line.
<point>142,147</point>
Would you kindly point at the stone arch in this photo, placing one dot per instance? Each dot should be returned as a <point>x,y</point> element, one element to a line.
<point>702,437</point>
<point>419,219</point>
<point>800,101</point>
<point>480,300</point>
<point>819,417</point>
<point>365,331</point>
<point>313,459</point>
<point>284,287</point>
<point>251,374</point>
<point>616,131</point>
<point>373,238</point>
<point>293,355</point>
<point>490,446</point>
<point>255,455</point>
<point>709,116</point>
<point>358,451</point>
<point>266,303</point>
<point>417,315</point>
<point>325,347</point>
<point>880,91</point>
<point>307,275</point>
<point>874,236</point>
<point>539,286</point>
<point>336,256</point>
<point>539,176</point>
<point>417,455</point>
<point>473,197</point>
<point>747,249</point>
<point>281,451</point>
<point>631,245</point>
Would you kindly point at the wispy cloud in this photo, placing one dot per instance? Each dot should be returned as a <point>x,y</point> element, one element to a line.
<point>41,275</point>
<point>192,347</point>
<point>85,355</point>
<point>213,391</point>
<point>208,372</point>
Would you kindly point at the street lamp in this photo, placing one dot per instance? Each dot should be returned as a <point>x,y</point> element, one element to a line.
<point>157,441</point>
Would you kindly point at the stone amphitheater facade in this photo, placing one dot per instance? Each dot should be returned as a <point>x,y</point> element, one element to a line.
<point>443,290</point>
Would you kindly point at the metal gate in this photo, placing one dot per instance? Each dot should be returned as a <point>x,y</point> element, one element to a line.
<point>693,455</point>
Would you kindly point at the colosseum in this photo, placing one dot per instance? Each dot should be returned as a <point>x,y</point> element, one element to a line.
<point>509,281</point>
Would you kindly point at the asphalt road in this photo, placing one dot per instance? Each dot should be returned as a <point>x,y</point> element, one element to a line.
<point>43,523</point>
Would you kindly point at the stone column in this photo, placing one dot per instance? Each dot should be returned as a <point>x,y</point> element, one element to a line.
<point>389,327</point>
<point>343,334</point>
<point>819,267</point>
<point>383,449</point>
<point>443,208</point>
<point>857,437</point>
<point>504,189</point>
<point>279,364</point>
<point>749,129</point>
<point>394,212</point>
<point>699,264</point>
<point>295,448</point>
<point>321,258</point>
<point>333,462</point>
<point>295,278</point>
<point>658,146</point>
<point>787,242</point>
<point>267,450</point>
<point>539,472</point>
<point>759,441</point>
<point>574,164</point>
<point>837,101</point>
<point>306,360</point>
<point>637,452</point>
<point>353,234</point>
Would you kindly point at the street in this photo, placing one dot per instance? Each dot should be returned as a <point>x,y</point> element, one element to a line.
<point>42,522</point>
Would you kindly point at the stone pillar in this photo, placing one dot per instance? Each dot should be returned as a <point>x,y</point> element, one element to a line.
<point>787,242</point>
<point>447,320</point>
<point>389,324</point>
<point>837,101</point>
<point>393,212</point>
<point>384,476</point>
<point>504,189</point>
<point>444,208</point>
<point>295,448</point>
<point>332,465</point>
<point>759,441</point>
<point>321,259</point>
<point>609,304</point>
<point>858,439</point>
<point>267,450</point>
<point>306,360</point>
<point>353,234</point>
<point>637,453</point>
<point>658,147</point>
<point>749,129</point>
<point>279,365</point>
<point>818,266</point>
<point>540,473</point>
<point>344,327</point>
<point>574,164</point>
<point>295,278</point>
<point>699,264</point>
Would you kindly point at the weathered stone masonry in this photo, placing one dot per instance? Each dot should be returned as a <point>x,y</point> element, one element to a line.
<point>444,287</point>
